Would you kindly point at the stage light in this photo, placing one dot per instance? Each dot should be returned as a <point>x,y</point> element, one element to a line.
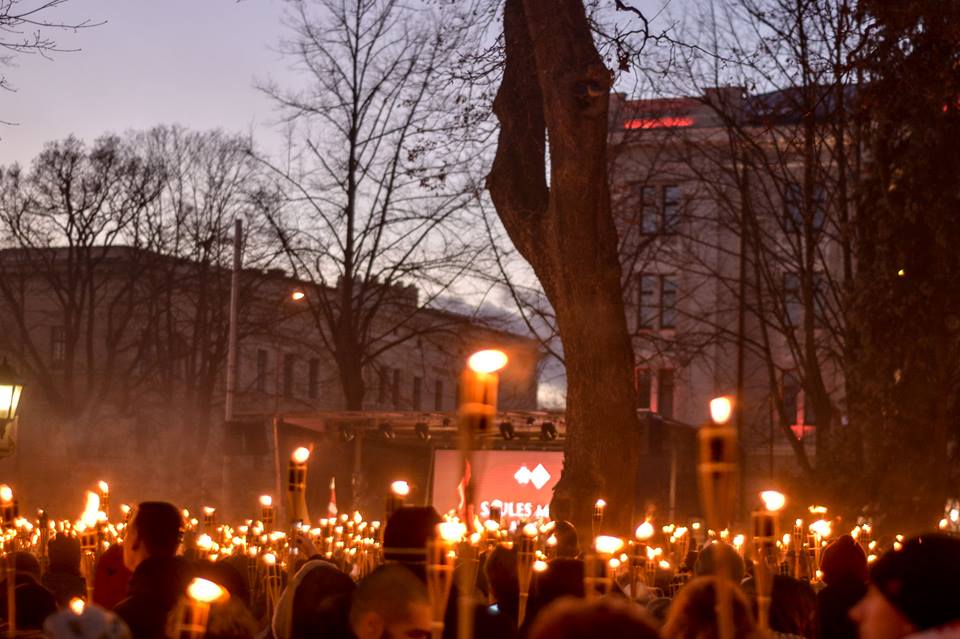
<point>548,431</point>
<point>387,431</point>
<point>422,430</point>
<point>507,431</point>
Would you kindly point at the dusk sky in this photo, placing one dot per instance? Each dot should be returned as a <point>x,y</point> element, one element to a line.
<point>190,62</point>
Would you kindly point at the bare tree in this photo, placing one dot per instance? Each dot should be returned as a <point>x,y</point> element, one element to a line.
<point>379,178</point>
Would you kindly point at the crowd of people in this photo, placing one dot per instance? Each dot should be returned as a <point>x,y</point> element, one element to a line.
<point>913,591</point>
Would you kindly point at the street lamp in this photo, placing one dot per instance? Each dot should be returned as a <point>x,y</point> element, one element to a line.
<point>11,387</point>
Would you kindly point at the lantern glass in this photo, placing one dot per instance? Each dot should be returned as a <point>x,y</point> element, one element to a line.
<point>10,389</point>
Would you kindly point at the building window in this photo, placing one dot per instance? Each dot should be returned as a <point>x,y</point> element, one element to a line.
<point>417,393</point>
<point>313,378</point>
<point>647,302</point>
<point>671,209</point>
<point>792,302</point>
<point>665,392</point>
<point>649,215</point>
<point>660,215</point>
<point>395,388</point>
<point>438,395</point>
<point>289,367</point>
<point>261,381</point>
<point>668,301</point>
<point>791,398</point>
<point>793,206</point>
<point>643,385</point>
<point>58,346</point>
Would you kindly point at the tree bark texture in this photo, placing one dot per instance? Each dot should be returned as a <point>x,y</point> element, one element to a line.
<point>555,87</point>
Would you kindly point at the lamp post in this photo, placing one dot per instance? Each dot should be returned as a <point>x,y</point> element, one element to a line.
<point>11,388</point>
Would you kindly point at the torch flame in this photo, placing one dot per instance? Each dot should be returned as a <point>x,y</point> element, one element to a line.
<point>301,455</point>
<point>451,531</point>
<point>530,530</point>
<point>91,509</point>
<point>607,545</point>
<point>6,494</point>
<point>644,531</point>
<point>600,504</point>
<point>104,487</point>
<point>205,591</point>
<point>773,500</point>
<point>400,488</point>
<point>720,409</point>
<point>488,361</point>
<point>77,605</point>
<point>266,501</point>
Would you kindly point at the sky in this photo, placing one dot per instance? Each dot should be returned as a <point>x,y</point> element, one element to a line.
<point>151,62</point>
<point>192,62</point>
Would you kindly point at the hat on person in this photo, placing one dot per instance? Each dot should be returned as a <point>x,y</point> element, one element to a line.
<point>407,532</point>
<point>844,560</point>
<point>922,580</point>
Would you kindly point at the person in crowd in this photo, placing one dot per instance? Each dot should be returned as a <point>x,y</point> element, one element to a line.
<point>92,622</point>
<point>315,604</point>
<point>391,603</point>
<point>63,576</point>
<point>609,617</point>
<point>843,569</point>
<point>34,603</point>
<point>793,608</point>
<point>562,578</point>
<point>231,619</point>
<point>717,556</point>
<point>110,578</point>
<point>159,576</point>
<point>914,592</point>
<point>568,542</point>
<point>501,574</point>
<point>693,614</point>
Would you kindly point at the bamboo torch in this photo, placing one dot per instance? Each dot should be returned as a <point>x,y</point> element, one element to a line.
<point>766,530</point>
<point>440,565</point>
<point>638,560</point>
<point>525,558</point>
<point>297,486</point>
<point>717,472</point>
<point>266,512</point>
<point>396,497</point>
<point>8,512</point>
<point>194,609</point>
<point>597,579</point>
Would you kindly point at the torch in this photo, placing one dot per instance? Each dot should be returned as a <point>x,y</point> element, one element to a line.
<point>440,565</point>
<point>297,486</point>
<point>8,512</point>
<point>266,512</point>
<point>525,559</point>
<point>598,509</point>
<point>194,610</point>
<point>766,530</point>
<point>638,561</point>
<point>395,498</point>
<point>272,581</point>
<point>717,472</point>
<point>597,579</point>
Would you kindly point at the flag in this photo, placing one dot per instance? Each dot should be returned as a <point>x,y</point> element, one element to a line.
<point>332,506</point>
<point>462,488</point>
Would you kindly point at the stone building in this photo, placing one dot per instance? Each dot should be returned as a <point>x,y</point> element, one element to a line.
<point>124,353</point>
<point>731,267</point>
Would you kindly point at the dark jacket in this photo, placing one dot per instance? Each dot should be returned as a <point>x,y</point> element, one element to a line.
<point>154,589</point>
<point>833,609</point>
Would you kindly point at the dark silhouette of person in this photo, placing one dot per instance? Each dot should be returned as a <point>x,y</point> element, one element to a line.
<point>63,576</point>
<point>609,617</point>
<point>844,571</point>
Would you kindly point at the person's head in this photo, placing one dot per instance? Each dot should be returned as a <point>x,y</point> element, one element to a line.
<point>693,614</point>
<point>34,604</point>
<point>110,578</point>
<point>501,572</point>
<point>406,535</point>
<point>25,563</point>
<point>154,531</point>
<point>912,589</point>
<point>391,603</point>
<point>568,542</point>
<point>64,554</point>
<point>321,603</point>
<point>609,617</point>
<point>227,575</point>
<point>843,561</point>
<point>231,619</point>
<point>718,558</point>
<point>793,607</point>
<point>562,578</point>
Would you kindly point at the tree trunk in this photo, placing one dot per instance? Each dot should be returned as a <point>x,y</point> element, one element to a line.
<point>555,85</point>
